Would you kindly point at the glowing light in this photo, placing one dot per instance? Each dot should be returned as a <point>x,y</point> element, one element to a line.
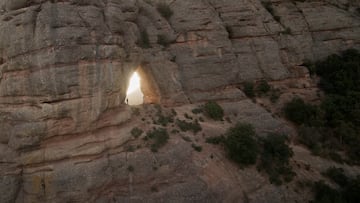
<point>134,95</point>
<point>134,83</point>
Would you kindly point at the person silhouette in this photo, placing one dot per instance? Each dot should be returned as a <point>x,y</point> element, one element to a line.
<point>127,101</point>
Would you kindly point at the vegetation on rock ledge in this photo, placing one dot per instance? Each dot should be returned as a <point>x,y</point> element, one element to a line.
<point>333,127</point>
<point>243,147</point>
<point>214,110</point>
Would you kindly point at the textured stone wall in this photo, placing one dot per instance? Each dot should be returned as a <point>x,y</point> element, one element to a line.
<point>65,65</point>
<point>71,60</point>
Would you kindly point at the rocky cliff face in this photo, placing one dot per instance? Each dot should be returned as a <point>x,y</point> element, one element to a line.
<point>65,65</point>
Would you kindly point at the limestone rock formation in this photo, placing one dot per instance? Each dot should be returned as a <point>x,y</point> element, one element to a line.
<point>65,66</point>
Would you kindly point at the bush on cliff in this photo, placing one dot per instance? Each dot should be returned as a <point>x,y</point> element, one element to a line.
<point>214,110</point>
<point>334,124</point>
<point>241,145</point>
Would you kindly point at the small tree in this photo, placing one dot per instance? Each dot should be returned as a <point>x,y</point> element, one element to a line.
<point>263,87</point>
<point>275,159</point>
<point>159,138</point>
<point>299,112</point>
<point>136,132</point>
<point>241,144</point>
<point>249,89</point>
<point>214,110</point>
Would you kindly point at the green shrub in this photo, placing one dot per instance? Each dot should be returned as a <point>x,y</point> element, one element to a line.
<point>136,132</point>
<point>263,87</point>
<point>339,113</point>
<point>287,31</point>
<point>249,89</point>
<point>144,40</point>
<point>164,120</point>
<point>337,175</point>
<point>159,138</point>
<point>300,113</point>
<point>215,140</point>
<point>349,192</point>
<point>196,147</point>
<point>186,126</point>
<point>175,131</point>
<point>333,155</point>
<point>214,110</point>
<point>197,110</point>
<point>275,95</point>
<point>275,159</point>
<point>165,10</point>
<point>326,194</point>
<point>187,116</point>
<point>311,137</point>
<point>241,145</point>
<point>340,73</point>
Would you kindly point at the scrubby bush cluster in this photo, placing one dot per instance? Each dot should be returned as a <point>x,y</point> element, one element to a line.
<point>213,110</point>
<point>210,109</point>
<point>334,125</point>
<point>136,132</point>
<point>158,138</point>
<point>244,147</point>
<point>275,158</point>
<point>348,190</point>
<point>241,144</point>
<point>299,112</point>
<point>197,148</point>
<point>249,89</point>
<point>189,126</point>
<point>163,118</point>
<point>262,88</point>
<point>215,140</point>
<point>197,110</point>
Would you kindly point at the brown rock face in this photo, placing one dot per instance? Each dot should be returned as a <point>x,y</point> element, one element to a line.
<point>65,66</point>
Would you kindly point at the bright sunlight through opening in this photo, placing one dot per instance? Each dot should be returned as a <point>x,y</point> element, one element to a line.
<point>134,96</point>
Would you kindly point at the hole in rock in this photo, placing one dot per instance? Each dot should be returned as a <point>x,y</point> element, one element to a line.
<point>134,95</point>
<point>142,88</point>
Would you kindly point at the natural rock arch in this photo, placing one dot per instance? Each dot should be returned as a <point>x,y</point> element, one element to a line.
<point>148,87</point>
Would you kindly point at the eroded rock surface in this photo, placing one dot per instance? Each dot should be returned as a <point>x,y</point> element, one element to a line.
<point>65,65</point>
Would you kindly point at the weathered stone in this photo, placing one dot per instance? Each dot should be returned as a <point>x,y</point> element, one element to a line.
<point>64,71</point>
